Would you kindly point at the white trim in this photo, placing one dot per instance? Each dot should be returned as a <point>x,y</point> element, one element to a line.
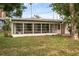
<point>41,28</point>
<point>35,34</point>
<point>60,28</point>
<point>33,28</point>
<point>43,34</point>
<point>49,28</point>
<point>23,27</point>
<point>34,22</point>
<point>12,28</point>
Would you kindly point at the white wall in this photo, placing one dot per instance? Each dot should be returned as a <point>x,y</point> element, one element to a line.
<point>22,35</point>
<point>66,30</point>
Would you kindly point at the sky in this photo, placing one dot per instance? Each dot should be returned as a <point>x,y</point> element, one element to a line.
<point>41,9</point>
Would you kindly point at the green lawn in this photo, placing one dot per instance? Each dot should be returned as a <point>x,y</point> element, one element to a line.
<point>40,45</point>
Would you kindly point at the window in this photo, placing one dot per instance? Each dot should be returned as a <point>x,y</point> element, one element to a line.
<point>19,28</point>
<point>45,28</point>
<point>27,28</point>
<point>58,26</point>
<point>53,28</point>
<point>37,28</point>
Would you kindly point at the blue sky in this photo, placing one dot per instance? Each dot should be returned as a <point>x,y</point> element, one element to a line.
<point>41,9</point>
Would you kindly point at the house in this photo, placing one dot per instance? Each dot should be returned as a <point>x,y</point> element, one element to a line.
<point>2,15</point>
<point>36,27</point>
<point>1,24</point>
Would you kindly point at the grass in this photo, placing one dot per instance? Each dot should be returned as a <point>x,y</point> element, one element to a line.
<point>38,46</point>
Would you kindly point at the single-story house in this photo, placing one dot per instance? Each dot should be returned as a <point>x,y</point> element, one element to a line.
<point>34,27</point>
<point>37,27</point>
<point>1,24</point>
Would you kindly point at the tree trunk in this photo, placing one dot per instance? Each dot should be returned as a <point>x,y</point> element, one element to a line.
<point>74,32</point>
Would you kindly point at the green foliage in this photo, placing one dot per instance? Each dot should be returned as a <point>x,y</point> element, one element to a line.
<point>78,25</point>
<point>64,10</point>
<point>13,9</point>
<point>7,27</point>
<point>61,8</point>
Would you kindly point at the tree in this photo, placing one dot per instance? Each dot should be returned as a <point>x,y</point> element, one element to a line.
<point>70,13</point>
<point>12,10</point>
<point>7,28</point>
<point>73,21</point>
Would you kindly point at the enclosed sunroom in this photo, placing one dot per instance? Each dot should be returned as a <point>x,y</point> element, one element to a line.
<point>35,27</point>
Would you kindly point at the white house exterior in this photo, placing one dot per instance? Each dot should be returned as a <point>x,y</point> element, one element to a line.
<point>1,24</point>
<point>2,15</point>
<point>35,27</point>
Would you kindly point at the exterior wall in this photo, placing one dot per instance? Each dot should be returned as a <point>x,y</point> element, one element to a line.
<point>2,13</point>
<point>66,30</point>
<point>34,34</point>
<point>1,24</point>
<point>59,30</point>
<point>63,28</point>
<point>41,34</point>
